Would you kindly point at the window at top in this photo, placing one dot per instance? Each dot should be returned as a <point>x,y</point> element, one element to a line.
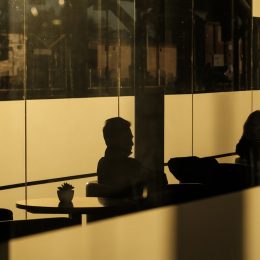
<point>222,48</point>
<point>80,48</point>
<point>11,50</point>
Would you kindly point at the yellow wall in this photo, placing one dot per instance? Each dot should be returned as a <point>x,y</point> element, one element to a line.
<point>64,136</point>
<point>12,142</point>
<point>218,121</point>
<point>256,8</point>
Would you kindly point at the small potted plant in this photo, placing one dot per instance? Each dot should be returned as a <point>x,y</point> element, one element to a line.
<point>65,192</point>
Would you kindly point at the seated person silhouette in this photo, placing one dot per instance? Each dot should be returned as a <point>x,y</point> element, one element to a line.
<point>248,147</point>
<point>125,175</point>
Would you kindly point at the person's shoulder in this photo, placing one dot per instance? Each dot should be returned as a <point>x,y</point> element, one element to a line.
<point>101,163</point>
<point>101,160</point>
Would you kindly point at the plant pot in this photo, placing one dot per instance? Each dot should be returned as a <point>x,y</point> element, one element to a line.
<point>65,195</point>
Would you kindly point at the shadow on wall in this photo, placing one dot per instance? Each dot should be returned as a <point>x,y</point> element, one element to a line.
<point>211,229</point>
<point>21,228</point>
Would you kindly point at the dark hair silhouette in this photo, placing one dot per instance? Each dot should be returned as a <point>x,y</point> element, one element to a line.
<point>250,137</point>
<point>251,129</point>
<point>113,128</point>
<point>248,147</point>
<point>118,135</point>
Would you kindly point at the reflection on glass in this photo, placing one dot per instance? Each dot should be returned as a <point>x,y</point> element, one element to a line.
<point>176,69</point>
<point>164,44</point>
<point>11,49</point>
<point>77,48</point>
<point>256,52</point>
<point>222,45</point>
<point>80,48</point>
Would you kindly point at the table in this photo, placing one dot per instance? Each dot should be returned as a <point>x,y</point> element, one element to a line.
<point>94,206</point>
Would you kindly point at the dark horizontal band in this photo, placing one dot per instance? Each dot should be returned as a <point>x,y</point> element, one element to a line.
<point>222,155</point>
<point>215,156</point>
<point>31,183</point>
<point>81,176</point>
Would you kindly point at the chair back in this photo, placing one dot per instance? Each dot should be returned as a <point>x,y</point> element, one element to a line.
<point>6,214</point>
<point>95,189</point>
<point>193,169</point>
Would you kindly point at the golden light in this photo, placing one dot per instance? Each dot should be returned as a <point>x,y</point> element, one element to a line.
<point>34,11</point>
<point>56,22</point>
<point>61,2</point>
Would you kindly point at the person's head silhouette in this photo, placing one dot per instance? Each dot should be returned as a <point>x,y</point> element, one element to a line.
<point>249,143</point>
<point>251,129</point>
<point>118,135</point>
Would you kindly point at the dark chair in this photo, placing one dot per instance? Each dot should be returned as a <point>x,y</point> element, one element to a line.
<point>6,214</point>
<point>193,169</point>
<point>233,175</point>
<point>94,189</point>
<point>218,177</point>
<point>110,195</point>
<point>178,193</point>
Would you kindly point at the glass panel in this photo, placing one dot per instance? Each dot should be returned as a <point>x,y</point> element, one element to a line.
<point>12,113</point>
<point>164,44</point>
<point>12,49</point>
<point>213,46</point>
<point>87,48</point>
<point>80,48</point>
<point>256,52</point>
<point>76,48</point>
<point>176,54</point>
<point>242,44</point>
<point>222,45</point>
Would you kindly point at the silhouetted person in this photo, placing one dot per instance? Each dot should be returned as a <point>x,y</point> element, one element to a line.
<point>248,147</point>
<point>126,175</point>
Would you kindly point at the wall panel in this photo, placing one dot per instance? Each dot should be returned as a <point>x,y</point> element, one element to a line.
<point>256,100</point>
<point>177,126</point>
<point>177,129</point>
<point>65,136</point>
<point>218,121</point>
<point>127,111</point>
<point>12,140</point>
<point>8,199</point>
<point>50,190</point>
<point>256,8</point>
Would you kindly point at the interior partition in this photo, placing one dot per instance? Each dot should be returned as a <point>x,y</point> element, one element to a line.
<point>178,70</point>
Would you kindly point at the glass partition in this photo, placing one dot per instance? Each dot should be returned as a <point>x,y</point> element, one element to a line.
<point>52,51</point>
<point>12,50</point>
<point>222,45</point>
<point>80,48</point>
<point>12,113</point>
<point>256,51</point>
<point>176,71</point>
<point>92,48</point>
<point>80,61</point>
<point>68,65</point>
